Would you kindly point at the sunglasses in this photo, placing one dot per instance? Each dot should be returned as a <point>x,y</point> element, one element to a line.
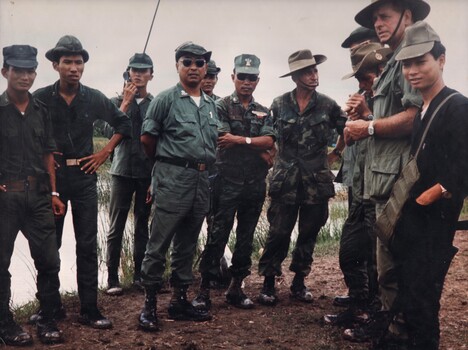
<point>199,62</point>
<point>249,77</point>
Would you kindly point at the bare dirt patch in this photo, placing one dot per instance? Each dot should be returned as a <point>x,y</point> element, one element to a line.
<point>289,325</point>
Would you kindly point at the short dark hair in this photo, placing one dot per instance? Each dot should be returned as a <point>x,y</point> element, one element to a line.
<point>437,50</point>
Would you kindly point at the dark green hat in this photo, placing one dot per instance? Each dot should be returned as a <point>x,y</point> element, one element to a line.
<point>212,69</point>
<point>246,63</point>
<point>302,59</point>
<point>419,8</point>
<point>192,49</point>
<point>359,35</point>
<point>67,45</point>
<point>20,56</point>
<point>419,40</point>
<point>140,60</point>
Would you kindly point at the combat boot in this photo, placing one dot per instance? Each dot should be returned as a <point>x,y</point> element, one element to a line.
<point>48,332</point>
<point>11,333</point>
<point>202,300</point>
<point>299,291</point>
<point>267,295</point>
<point>236,296</point>
<point>181,309</point>
<point>148,320</point>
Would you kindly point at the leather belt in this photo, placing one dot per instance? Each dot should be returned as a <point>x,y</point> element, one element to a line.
<point>72,162</point>
<point>183,163</point>
<point>29,184</point>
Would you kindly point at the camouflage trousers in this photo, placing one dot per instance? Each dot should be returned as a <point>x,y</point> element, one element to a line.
<point>282,219</point>
<point>245,201</point>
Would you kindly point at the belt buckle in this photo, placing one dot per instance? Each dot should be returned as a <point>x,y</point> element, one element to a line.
<point>201,166</point>
<point>72,162</point>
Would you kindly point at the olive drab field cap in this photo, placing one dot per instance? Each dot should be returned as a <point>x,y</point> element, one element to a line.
<point>67,45</point>
<point>359,35</point>
<point>302,59</point>
<point>140,60</point>
<point>366,56</point>
<point>20,56</point>
<point>419,40</point>
<point>419,8</point>
<point>192,49</point>
<point>212,69</point>
<point>247,64</point>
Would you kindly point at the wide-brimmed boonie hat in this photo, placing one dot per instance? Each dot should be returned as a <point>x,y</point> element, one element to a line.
<point>68,45</point>
<point>367,55</point>
<point>419,8</point>
<point>302,59</point>
<point>419,40</point>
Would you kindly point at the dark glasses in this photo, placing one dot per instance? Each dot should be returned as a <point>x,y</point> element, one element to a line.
<point>199,62</point>
<point>249,77</point>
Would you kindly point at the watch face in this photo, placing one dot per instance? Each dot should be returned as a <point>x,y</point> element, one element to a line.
<point>248,140</point>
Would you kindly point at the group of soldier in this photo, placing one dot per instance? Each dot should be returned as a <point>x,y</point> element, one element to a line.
<point>196,156</point>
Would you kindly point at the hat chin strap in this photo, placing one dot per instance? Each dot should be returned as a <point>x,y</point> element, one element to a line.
<point>398,26</point>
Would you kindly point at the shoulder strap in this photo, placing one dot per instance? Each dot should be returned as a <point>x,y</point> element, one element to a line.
<point>430,122</point>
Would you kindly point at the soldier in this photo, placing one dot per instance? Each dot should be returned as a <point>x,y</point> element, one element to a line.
<point>242,161</point>
<point>349,154</point>
<point>131,174</point>
<point>210,80</point>
<point>423,242</point>
<point>301,182</point>
<point>395,106</point>
<point>179,133</point>
<point>74,108</point>
<point>28,196</point>
<point>357,242</point>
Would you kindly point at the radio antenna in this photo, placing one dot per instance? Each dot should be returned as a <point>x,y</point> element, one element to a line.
<point>151,28</point>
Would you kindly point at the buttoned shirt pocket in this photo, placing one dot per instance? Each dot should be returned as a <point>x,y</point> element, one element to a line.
<point>384,172</point>
<point>256,125</point>
<point>320,125</point>
<point>186,124</point>
<point>287,127</point>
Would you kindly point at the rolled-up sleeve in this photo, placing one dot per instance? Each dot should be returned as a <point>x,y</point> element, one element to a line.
<point>157,111</point>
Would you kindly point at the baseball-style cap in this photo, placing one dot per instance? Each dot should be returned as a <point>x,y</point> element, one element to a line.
<point>212,69</point>
<point>140,60</point>
<point>247,63</point>
<point>20,56</point>
<point>67,45</point>
<point>419,40</point>
<point>192,49</point>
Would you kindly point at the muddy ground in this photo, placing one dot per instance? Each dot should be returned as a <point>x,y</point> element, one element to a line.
<point>289,325</point>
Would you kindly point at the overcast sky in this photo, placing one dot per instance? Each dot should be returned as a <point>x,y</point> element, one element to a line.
<point>113,30</point>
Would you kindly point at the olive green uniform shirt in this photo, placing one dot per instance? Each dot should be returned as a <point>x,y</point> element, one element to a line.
<point>386,156</point>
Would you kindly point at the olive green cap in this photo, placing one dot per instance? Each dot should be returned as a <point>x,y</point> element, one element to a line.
<point>419,40</point>
<point>247,63</point>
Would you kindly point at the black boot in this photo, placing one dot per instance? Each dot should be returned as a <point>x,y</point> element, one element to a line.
<point>11,333</point>
<point>299,291</point>
<point>267,295</point>
<point>148,320</point>
<point>236,296</point>
<point>181,309</point>
<point>202,300</point>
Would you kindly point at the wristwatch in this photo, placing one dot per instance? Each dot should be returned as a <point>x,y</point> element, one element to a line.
<point>56,194</point>
<point>248,140</point>
<point>370,128</point>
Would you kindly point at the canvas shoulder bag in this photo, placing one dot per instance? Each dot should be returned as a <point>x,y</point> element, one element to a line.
<point>387,220</point>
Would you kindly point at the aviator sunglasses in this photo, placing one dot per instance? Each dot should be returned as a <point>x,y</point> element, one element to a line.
<point>249,77</point>
<point>199,62</point>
